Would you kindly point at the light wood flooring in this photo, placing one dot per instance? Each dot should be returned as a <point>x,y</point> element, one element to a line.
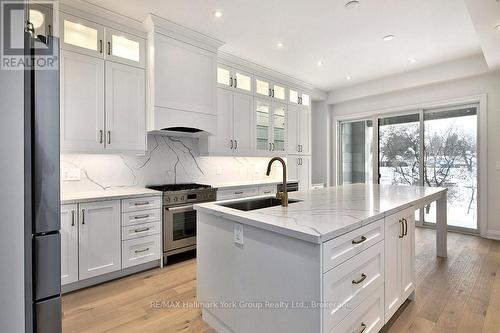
<point>459,294</point>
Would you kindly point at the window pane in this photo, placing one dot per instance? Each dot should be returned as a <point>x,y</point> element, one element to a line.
<point>357,157</point>
<point>125,48</point>
<point>262,87</point>
<point>244,82</point>
<point>279,92</point>
<point>399,150</point>
<point>450,160</point>
<point>223,76</point>
<point>80,35</point>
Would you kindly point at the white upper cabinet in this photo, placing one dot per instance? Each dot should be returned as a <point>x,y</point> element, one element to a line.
<point>299,130</point>
<point>125,48</point>
<point>81,36</point>
<point>242,124</point>
<point>82,102</point>
<point>231,78</point>
<point>270,126</point>
<point>125,108</point>
<point>272,90</point>
<point>184,76</point>
<point>299,169</point>
<point>298,97</point>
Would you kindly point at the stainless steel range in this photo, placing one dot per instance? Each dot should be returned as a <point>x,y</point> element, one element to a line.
<point>179,217</point>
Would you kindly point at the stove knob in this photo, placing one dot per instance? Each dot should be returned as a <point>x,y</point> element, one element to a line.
<point>182,198</point>
<point>175,199</point>
<point>168,199</point>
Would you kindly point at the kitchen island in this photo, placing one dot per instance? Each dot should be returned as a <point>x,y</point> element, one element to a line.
<point>340,259</point>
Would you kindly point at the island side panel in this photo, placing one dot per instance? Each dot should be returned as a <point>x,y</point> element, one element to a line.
<point>267,267</point>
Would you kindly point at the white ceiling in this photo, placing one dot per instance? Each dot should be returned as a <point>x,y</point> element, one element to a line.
<point>348,41</point>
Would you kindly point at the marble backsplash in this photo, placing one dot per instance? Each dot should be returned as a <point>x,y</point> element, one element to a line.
<point>168,160</point>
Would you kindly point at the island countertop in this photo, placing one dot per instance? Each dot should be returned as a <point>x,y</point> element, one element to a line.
<point>326,213</point>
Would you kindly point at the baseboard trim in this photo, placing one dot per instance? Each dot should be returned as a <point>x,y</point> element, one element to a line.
<point>493,234</point>
<point>215,322</point>
<point>108,277</point>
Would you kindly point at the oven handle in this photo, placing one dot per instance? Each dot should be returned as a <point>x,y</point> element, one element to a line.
<point>179,208</point>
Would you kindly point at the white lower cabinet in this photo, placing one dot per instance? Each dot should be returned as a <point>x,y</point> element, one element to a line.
<point>400,260</point>
<point>237,192</point>
<point>69,243</point>
<point>299,168</point>
<point>99,238</point>
<point>141,250</point>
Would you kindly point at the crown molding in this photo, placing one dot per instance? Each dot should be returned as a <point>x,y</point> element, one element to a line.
<point>154,23</point>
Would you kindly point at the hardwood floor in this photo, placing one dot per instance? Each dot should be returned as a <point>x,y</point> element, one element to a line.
<point>459,294</point>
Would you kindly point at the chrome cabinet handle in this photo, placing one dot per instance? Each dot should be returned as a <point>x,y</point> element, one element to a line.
<point>405,227</point>
<point>83,216</point>
<point>235,144</point>
<point>72,218</point>
<point>142,203</point>
<point>237,193</point>
<point>100,45</point>
<point>270,92</point>
<point>138,217</point>
<point>269,146</point>
<point>235,82</point>
<point>272,145</point>
<point>232,144</point>
<point>109,48</point>
<point>273,93</point>
<point>109,137</point>
<point>267,192</point>
<point>231,82</point>
<point>363,239</point>
<point>144,250</point>
<point>361,279</point>
<point>362,329</point>
<point>141,230</point>
<point>100,136</point>
<point>402,228</point>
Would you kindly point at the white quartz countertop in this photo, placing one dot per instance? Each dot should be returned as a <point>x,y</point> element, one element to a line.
<point>327,213</point>
<point>109,194</point>
<point>248,183</point>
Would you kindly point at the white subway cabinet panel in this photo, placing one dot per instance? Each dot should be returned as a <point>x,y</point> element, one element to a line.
<point>99,238</point>
<point>69,243</point>
<point>82,102</point>
<point>81,36</point>
<point>185,76</point>
<point>125,48</point>
<point>125,108</point>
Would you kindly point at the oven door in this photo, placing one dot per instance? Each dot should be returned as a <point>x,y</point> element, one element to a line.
<point>179,227</point>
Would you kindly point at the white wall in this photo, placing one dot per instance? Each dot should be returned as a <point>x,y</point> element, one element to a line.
<point>11,202</point>
<point>483,84</point>
<point>319,125</point>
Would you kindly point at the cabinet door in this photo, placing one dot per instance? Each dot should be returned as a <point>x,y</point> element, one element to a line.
<point>392,240</point>
<point>305,99</point>
<point>224,77</point>
<point>263,113</point>
<point>243,124</point>
<point>304,132</point>
<point>125,48</point>
<point>185,77</point>
<point>223,142</point>
<point>125,108</point>
<point>69,243</point>
<point>81,36</point>
<point>82,102</point>
<point>292,167</point>
<point>278,130</point>
<point>304,173</point>
<point>293,96</point>
<point>408,257</point>
<point>262,87</point>
<point>243,82</point>
<point>278,92</point>
<point>292,129</point>
<point>99,238</point>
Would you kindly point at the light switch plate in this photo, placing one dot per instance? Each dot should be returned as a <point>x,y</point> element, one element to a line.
<point>238,233</point>
<point>71,174</point>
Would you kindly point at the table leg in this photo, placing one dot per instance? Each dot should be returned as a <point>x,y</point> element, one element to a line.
<point>441,226</point>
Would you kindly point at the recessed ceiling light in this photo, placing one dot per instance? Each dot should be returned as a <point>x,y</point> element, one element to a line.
<point>319,63</point>
<point>352,4</point>
<point>348,77</point>
<point>412,60</point>
<point>388,37</point>
<point>218,14</point>
<point>279,44</point>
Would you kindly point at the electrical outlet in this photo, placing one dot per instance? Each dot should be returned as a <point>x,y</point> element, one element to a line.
<point>238,233</point>
<point>71,174</point>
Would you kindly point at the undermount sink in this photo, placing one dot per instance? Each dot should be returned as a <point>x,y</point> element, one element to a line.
<point>253,204</point>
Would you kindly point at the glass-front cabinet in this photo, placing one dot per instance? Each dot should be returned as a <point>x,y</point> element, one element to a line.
<point>231,78</point>
<point>270,122</point>
<point>270,89</point>
<point>298,97</point>
<point>125,48</point>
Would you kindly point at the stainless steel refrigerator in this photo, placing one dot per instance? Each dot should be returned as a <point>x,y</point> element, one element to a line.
<point>42,190</point>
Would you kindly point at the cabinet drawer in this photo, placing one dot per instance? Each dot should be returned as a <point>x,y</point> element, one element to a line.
<point>348,284</point>
<point>346,246</point>
<point>144,203</point>
<point>140,250</point>
<point>134,218</point>
<point>267,189</point>
<point>141,230</point>
<point>368,317</point>
<point>235,193</point>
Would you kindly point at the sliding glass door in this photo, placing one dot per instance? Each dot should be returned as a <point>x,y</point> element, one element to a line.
<point>356,143</point>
